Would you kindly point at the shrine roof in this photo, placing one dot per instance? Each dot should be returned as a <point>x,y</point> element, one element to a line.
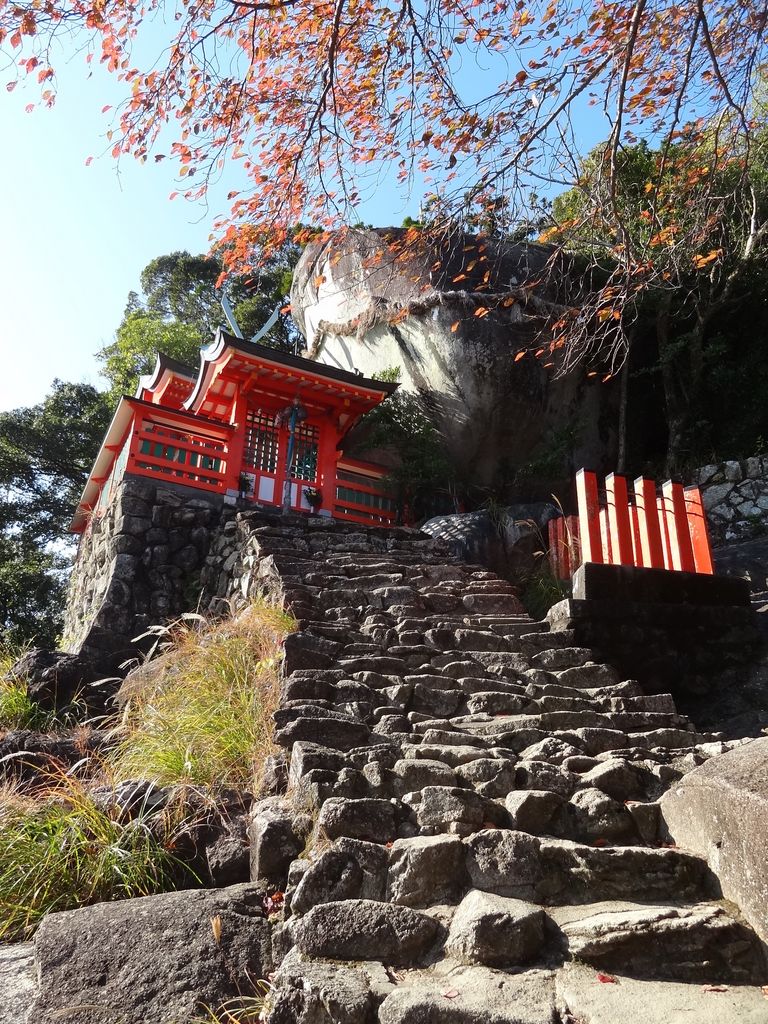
<point>246,355</point>
<point>164,364</point>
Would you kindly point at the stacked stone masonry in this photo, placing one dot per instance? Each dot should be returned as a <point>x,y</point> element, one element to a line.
<point>735,496</point>
<point>138,565</point>
<point>465,820</point>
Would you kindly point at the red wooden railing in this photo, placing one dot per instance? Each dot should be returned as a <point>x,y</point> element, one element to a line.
<point>362,503</point>
<point>640,528</point>
<point>187,456</point>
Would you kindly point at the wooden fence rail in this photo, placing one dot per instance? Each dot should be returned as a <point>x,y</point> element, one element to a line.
<point>638,526</point>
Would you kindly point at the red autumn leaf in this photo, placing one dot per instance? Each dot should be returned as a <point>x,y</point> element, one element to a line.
<point>450,993</point>
<point>455,326</point>
<point>714,988</point>
<point>482,311</point>
<point>89,161</point>
<point>605,979</point>
<point>519,356</point>
<point>10,86</point>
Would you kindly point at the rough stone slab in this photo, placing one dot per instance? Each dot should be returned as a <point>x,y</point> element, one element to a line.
<point>18,982</point>
<point>495,931</point>
<point>312,992</point>
<point>150,960</point>
<point>679,943</point>
<point>426,870</point>
<point>367,818</point>
<point>477,996</point>
<point>720,812</point>
<point>630,1001</point>
<point>365,930</point>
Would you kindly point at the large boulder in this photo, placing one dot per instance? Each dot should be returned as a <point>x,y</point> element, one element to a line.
<point>55,679</point>
<point>509,542</point>
<point>453,315</point>
<point>720,812</point>
<point>17,981</point>
<point>151,960</point>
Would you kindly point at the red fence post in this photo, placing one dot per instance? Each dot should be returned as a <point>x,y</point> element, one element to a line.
<point>697,526</point>
<point>677,524</point>
<point>574,542</point>
<point>589,516</point>
<point>665,541</point>
<point>649,529</point>
<point>620,531</point>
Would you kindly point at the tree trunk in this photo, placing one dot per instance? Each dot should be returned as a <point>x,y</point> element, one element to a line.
<point>621,454</point>
<point>674,398</point>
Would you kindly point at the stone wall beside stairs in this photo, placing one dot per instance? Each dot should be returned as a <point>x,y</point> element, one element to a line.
<point>735,496</point>
<point>138,564</point>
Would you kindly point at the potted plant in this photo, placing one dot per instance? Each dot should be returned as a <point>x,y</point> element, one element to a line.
<point>314,498</point>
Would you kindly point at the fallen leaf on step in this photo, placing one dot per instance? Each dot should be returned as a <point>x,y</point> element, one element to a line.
<point>450,993</point>
<point>715,988</point>
<point>606,979</point>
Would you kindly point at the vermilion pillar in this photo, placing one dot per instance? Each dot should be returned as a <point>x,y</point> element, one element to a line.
<point>677,524</point>
<point>618,519</point>
<point>649,529</point>
<point>589,516</point>
<point>697,524</point>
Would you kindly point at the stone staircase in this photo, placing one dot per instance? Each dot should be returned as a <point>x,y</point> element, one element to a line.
<point>465,822</point>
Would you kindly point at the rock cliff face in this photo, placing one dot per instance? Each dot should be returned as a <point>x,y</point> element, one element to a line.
<point>453,317</point>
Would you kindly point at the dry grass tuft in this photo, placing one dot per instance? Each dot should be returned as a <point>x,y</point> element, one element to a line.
<point>201,713</point>
<point>61,850</point>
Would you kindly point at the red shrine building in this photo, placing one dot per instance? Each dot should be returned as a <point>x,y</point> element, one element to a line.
<point>252,424</point>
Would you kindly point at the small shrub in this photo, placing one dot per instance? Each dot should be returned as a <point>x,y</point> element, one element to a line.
<point>541,589</point>
<point>203,714</point>
<point>61,851</point>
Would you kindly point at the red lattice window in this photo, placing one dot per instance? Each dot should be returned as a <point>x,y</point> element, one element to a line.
<point>261,438</point>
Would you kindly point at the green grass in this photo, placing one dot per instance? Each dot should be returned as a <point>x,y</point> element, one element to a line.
<point>541,589</point>
<point>59,851</point>
<point>203,714</point>
<point>18,710</point>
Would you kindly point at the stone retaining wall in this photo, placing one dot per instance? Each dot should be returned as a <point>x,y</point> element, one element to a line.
<point>138,564</point>
<point>735,496</point>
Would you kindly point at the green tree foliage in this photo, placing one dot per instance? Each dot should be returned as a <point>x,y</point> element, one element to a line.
<point>46,451</point>
<point>421,472</point>
<point>694,269</point>
<point>179,311</point>
<point>137,341</point>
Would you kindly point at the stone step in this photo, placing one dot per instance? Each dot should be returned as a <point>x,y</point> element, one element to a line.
<point>582,996</point>
<point>561,871</point>
<point>702,942</point>
<point>560,721</point>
